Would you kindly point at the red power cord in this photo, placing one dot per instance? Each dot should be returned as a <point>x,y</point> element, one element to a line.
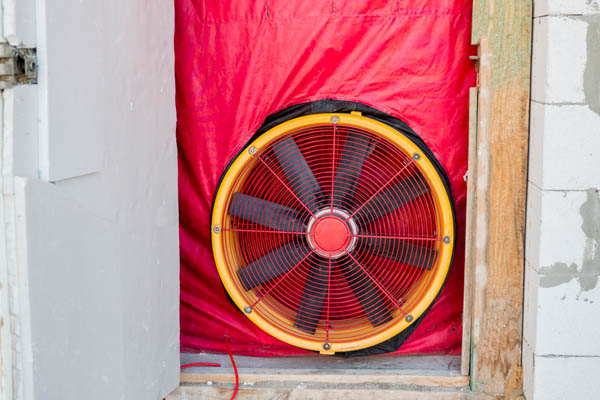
<point>201,365</point>
<point>207,364</point>
<point>237,381</point>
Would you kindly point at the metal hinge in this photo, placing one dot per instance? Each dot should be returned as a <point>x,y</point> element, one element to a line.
<point>18,66</point>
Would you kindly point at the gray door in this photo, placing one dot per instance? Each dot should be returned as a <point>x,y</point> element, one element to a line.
<point>90,282</point>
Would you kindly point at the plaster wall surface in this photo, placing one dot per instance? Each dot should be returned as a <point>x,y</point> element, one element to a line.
<point>565,7</point>
<point>561,350</point>
<point>96,302</point>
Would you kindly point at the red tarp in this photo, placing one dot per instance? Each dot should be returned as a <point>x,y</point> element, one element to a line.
<point>239,61</point>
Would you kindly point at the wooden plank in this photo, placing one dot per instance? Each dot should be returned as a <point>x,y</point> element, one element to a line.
<point>422,371</point>
<point>315,376</point>
<point>503,32</point>
<point>469,236</point>
<point>415,365</point>
<point>302,391</point>
<point>440,371</point>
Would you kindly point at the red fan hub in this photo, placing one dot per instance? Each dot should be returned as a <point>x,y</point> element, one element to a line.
<point>331,234</point>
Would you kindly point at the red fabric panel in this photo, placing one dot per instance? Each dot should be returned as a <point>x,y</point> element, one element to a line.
<point>241,60</point>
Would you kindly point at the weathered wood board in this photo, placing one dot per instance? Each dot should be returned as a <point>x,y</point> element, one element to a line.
<point>502,29</point>
<point>469,236</point>
<point>304,391</point>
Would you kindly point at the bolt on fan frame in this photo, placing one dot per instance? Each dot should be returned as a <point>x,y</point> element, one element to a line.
<point>445,232</point>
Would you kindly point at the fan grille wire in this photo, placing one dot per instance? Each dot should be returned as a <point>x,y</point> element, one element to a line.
<point>372,183</point>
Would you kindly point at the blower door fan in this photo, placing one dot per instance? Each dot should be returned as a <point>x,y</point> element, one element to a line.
<point>333,232</point>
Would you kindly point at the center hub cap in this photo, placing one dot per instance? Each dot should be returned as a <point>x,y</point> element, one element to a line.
<point>331,233</point>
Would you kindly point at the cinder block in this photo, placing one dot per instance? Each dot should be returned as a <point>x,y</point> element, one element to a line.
<point>560,314</point>
<point>564,147</point>
<point>565,7</point>
<point>554,228</point>
<point>562,283</point>
<point>558,60</point>
<point>554,299</point>
<point>563,378</point>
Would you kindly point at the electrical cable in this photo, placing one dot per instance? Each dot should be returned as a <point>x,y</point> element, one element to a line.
<point>237,382</point>
<point>201,364</point>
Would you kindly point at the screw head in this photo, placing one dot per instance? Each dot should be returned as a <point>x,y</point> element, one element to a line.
<point>408,318</point>
<point>217,229</point>
<point>446,239</point>
<point>247,309</point>
<point>252,150</point>
<point>326,346</point>
<point>416,156</point>
<point>335,119</point>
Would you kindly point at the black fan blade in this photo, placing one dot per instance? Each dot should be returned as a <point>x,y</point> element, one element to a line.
<point>313,296</point>
<point>273,264</point>
<point>298,172</point>
<point>366,292</point>
<point>391,199</point>
<point>354,154</point>
<point>399,250</point>
<point>266,213</point>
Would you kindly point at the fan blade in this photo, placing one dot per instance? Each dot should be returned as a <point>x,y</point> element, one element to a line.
<point>349,169</point>
<point>266,213</point>
<point>366,292</point>
<point>398,250</point>
<point>273,264</point>
<point>313,297</point>
<point>391,199</point>
<point>298,172</point>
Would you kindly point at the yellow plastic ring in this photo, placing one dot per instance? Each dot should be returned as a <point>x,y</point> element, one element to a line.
<point>445,220</point>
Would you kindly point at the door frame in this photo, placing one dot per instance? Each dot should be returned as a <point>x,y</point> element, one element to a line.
<point>495,231</point>
<point>494,262</point>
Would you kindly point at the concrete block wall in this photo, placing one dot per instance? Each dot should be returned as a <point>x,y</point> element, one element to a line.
<point>561,345</point>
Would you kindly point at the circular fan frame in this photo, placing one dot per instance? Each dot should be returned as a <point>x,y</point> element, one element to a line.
<point>234,178</point>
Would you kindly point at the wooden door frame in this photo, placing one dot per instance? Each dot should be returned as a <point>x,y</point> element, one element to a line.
<point>495,232</point>
<point>495,250</point>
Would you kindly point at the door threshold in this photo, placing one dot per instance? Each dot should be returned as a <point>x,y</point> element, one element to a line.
<point>318,377</point>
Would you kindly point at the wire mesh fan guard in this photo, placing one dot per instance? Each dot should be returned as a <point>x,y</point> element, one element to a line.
<point>332,232</point>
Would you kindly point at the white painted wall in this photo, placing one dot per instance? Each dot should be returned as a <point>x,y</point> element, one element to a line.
<point>561,349</point>
<point>19,157</point>
<point>90,259</point>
